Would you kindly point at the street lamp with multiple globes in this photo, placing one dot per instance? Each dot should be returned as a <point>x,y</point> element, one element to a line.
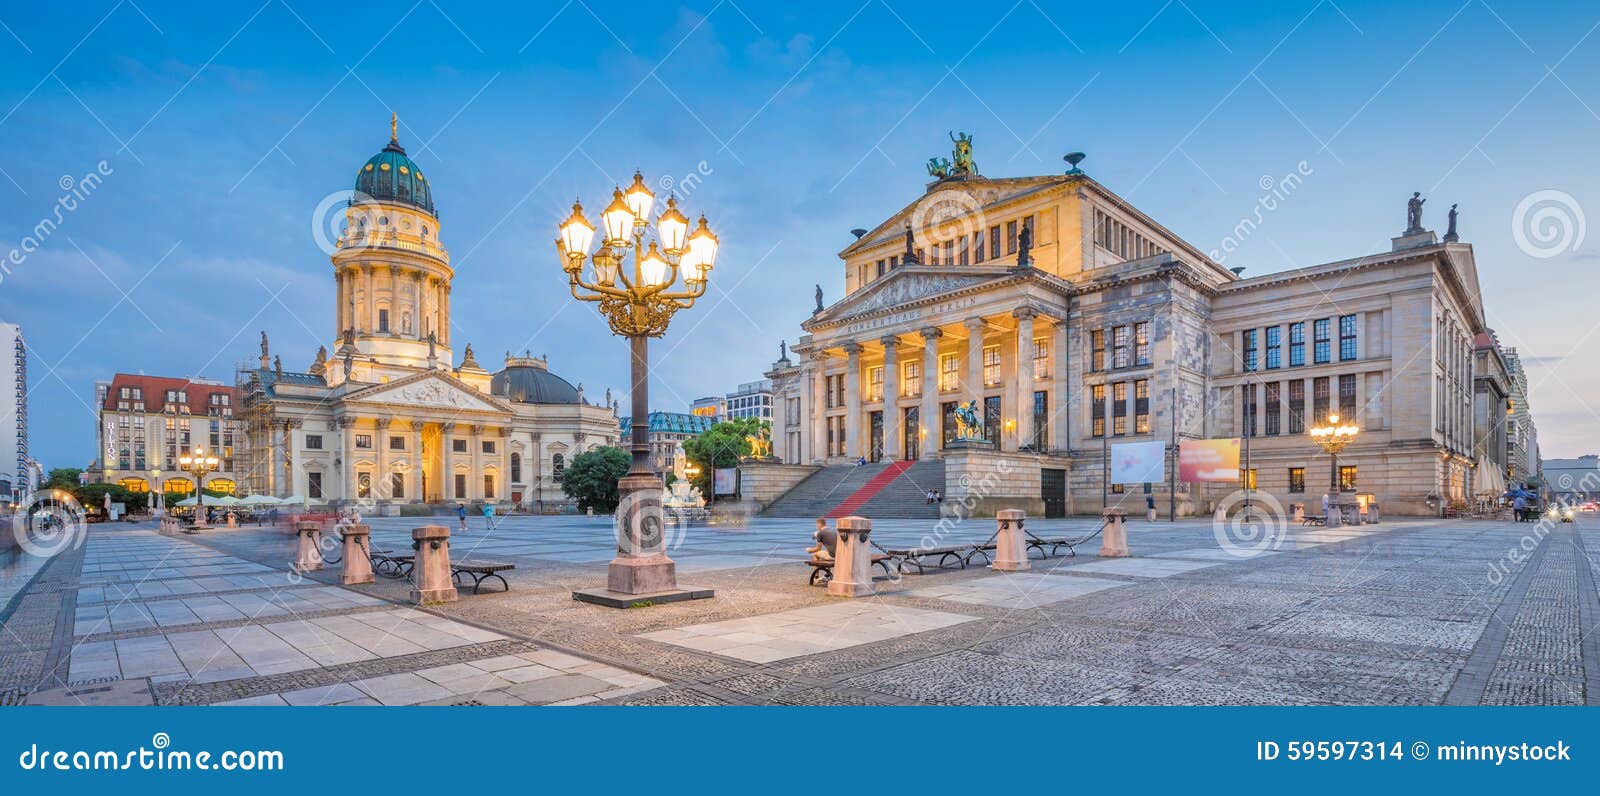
<point>199,465</point>
<point>638,302</point>
<point>1333,437</point>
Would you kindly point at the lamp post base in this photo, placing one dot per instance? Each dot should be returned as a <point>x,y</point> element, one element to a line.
<point>617,599</point>
<point>641,574</point>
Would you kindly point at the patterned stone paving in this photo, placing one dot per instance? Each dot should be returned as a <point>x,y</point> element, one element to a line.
<point>1411,612</point>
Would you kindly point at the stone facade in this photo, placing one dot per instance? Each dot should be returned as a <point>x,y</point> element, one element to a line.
<point>1116,330</point>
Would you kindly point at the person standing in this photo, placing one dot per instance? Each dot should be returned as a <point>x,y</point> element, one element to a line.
<point>488,515</point>
<point>461,514</point>
<point>1519,508</point>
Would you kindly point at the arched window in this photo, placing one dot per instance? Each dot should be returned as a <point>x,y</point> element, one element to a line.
<point>135,484</point>
<point>516,468</point>
<point>558,465</point>
<point>183,485</point>
<point>220,485</point>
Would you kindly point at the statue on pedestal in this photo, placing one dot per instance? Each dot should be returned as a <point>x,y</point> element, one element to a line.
<point>1025,246</point>
<point>819,301</point>
<point>968,424</point>
<point>1414,213</point>
<point>1450,235</point>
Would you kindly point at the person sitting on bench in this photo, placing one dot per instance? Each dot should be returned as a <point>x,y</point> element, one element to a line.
<point>827,541</point>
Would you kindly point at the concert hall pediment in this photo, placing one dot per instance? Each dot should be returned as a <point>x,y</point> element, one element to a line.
<point>906,285</point>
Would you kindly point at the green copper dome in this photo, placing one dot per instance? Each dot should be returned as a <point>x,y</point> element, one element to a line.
<point>390,176</point>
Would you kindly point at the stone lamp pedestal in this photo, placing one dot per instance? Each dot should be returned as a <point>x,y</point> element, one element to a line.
<point>1335,514</point>
<point>430,570</point>
<point>852,566</point>
<point>641,574</point>
<point>1011,544</point>
<point>308,557</point>
<point>357,564</point>
<point>1114,540</point>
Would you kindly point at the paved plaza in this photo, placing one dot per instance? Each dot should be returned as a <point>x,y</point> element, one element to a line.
<point>1409,612</point>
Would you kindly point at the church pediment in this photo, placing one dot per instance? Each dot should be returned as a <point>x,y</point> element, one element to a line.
<point>430,391</point>
<point>951,202</point>
<point>904,286</point>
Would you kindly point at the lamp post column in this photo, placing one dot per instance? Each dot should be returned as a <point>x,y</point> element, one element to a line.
<point>641,565</point>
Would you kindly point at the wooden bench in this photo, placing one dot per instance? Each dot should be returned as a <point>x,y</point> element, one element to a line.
<point>392,566</point>
<point>481,571</point>
<point>948,556</point>
<point>1037,542</point>
<point>820,566</point>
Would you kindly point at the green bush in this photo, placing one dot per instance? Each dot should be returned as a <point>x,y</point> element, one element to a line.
<point>591,478</point>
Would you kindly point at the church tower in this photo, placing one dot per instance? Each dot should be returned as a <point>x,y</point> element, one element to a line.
<point>392,275</point>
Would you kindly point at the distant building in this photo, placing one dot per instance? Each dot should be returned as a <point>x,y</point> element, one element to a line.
<point>752,399</point>
<point>1573,480</point>
<point>667,431</point>
<point>1522,438</point>
<point>17,470</point>
<point>710,406</point>
<point>147,422</point>
<point>1491,399</point>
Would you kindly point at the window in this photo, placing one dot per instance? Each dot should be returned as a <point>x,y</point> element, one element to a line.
<point>488,487</point>
<point>314,486</point>
<point>383,320</point>
<point>1119,347</point>
<point>977,246</point>
<point>488,446</point>
<point>911,378</point>
<point>1097,410</point>
<point>1347,397</point>
<point>994,242</point>
<point>397,443</point>
<point>458,446</point>
<point>313,442</point>
<point>1274,347</point>
<point>949,252</point>
<point>1141,406</point>
<point>1320,349</point>
<point>1117,489</point>
<point>881,264</point>
<point>1297,479</point>
<point>516,468</point>
<point>1247,417</point>
<point>1011,237</point>
<point>558,466</point>
<point>1347,337</point>
<point>1319,400</point>
<point>363,440</point>
<point>1274,407</point>
<point>963,253</point>
<point>1297,406</point>
<point>397,485</point>
<point>838,390</point>
<point>1041,420</point>
<point>1249,350</point>
<point>991,366</point>
<point>949,372</point>
<point>1141,343</point>
<point>1297,344</point>
<point>461,486</point>
<point>874,386</point>
<point>1097,350</point>
<point>1347,478</point>
<point>1041,358</point>
<point>1247,478</point>
<point>1119,408</point>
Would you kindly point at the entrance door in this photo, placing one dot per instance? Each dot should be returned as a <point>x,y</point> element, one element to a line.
<point>911,438</point>
<point>876,437</point>
<point>1053,488</point>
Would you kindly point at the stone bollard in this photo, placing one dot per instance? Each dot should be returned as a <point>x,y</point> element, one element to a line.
<point>1297,512</point>
<point>1335,514</point>
<point>1114,542</point>
<point>1150,514</point>
<point>357,561</point>
<point>1372,513</point>
<point>1010,543</point>
<point>233,520</point>
<point>309,557</point>
<point>430,570</point>
<point>852,561</point>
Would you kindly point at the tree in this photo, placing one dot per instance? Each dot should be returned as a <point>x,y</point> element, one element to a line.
<point>63,478</point>
<point>722,445</point>
<point>591,478</point>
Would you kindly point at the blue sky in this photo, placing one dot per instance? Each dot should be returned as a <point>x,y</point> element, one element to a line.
<point>223,126</point>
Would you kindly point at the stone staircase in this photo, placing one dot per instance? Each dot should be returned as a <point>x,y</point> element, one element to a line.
<point>884,490</point>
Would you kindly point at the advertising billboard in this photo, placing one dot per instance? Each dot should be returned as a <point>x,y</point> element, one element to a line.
<point>1208,460</point>
<point>1138,462</point>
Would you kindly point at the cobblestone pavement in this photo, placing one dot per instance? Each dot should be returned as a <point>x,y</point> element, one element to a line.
<point>1410,612</point>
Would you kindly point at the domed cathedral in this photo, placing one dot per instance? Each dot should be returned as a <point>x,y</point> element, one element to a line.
<point>390,421</point>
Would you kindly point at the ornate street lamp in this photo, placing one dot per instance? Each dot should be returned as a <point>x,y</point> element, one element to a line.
<point>638,303</point>
<point>1333,437</point>
<point>198,464</point>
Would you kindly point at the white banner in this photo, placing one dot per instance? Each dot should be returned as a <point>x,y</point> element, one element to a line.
<point>1138,463</point>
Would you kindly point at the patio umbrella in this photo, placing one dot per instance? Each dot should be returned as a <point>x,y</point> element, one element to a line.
<point>258,500</point>
<point>186,502</point>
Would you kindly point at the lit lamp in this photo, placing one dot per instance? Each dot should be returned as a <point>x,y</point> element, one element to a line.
<point>1332,437</point>
<point>198,464</point>
<point>638,303</point>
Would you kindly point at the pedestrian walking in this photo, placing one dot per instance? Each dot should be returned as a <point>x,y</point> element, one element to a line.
<point>461,513</point>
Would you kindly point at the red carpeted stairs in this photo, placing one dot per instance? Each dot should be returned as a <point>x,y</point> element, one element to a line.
<point>870,489</point>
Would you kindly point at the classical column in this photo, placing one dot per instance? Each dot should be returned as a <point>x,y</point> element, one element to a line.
<point>806,452</point>
<point>444,319</point>
<point>475,480</point>
<point>891,396</point>
<point>381,487</point>
<point>347,444</point>
<point>292,465</point>
<point>275,466</point>
<point>1059,419</point>
<point>973,389</point>
<point>535,460</point>
<point>502,481</point>
<point>932,421</point>
<point>447,469</point>
<point>819,392</point>
<point>416,462</point>
<point>852,402</point>
<point>1022,377</point>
